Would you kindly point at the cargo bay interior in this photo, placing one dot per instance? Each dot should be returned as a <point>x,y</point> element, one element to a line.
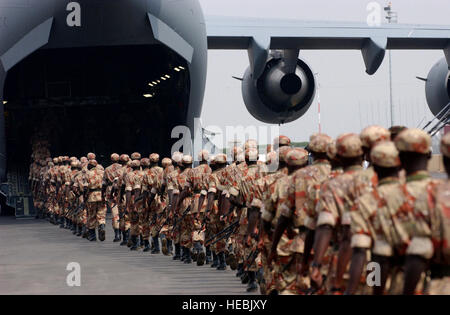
<point>98,99</point>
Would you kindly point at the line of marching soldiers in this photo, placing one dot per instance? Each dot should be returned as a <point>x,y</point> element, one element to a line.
<point>306,221</point>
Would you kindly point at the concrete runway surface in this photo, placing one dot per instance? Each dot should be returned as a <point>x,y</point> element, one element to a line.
<point>34,255</point>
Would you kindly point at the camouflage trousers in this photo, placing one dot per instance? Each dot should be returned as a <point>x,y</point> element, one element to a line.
<point>96,214</point>
<point>115,215</point>
<point>144,221</point>
<point>124,221</point>
<point>135,227</point>
<point>216,227</point>
<point>187,228</point>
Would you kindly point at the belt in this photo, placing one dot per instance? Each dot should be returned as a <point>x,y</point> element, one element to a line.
<point>197,191</point>
<point>96,189</point>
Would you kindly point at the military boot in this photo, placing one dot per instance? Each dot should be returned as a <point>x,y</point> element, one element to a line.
<point>177,252</point>
<point>183,253</point>
<point>140,241</point>
<point>245,277</point>
<point>55,219</point>
<point>146,245</point>
<point>222,265</point>
<point>92,237</point>
<point>208,255</point>
<point>61,222</point>
<point>68,224</point>
<point>164,246</point>
<point>116,235</point>
<point>240,269</point>
<point>134,242</point>
<point>74,228</point>
<point>79,230</point>
<point>129,242</point>
<point>125,237</point>
<point>252,286</point>
<point>169,247</point>
<point>200,254</point>
<point>156,245</point>
<point>101,232</point>
<point>215,263</point>
<point>188,258</point>
<point>85,232</point>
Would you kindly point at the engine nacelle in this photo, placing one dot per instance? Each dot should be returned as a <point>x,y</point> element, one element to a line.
<point>438,86</point>
<point>279,96</point>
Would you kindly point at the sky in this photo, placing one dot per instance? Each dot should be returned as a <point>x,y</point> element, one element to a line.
<point>350,98</point>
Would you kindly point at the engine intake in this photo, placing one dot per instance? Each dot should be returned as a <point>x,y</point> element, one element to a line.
<point>438,86</point>
<point>279,95</point>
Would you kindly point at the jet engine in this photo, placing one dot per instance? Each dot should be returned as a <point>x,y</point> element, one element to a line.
<point>282,93</point>
<point>438,86</point>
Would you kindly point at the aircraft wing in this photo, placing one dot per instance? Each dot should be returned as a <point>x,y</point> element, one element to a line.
<point>260,34</point>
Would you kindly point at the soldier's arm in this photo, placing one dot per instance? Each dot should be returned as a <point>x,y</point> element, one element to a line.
<point>281,226</point>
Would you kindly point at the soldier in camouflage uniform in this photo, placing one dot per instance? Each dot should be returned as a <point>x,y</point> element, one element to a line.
<point>440,269</point>
<point>372,216</point>
<point>198,184</point>
<point>183,195</point>
<point>96,208</point>
<point>216,185</point>
<point>270,201</point>
<point>111,176</point>
<point>336,200</point>
<point>133,187</point>
<point>124,218</point>
<point>247,194</point>
<point>157,202</point>
<point>287,247</point>
<point>166,240</point>
<point>172,186</point>
<point>418,223</point>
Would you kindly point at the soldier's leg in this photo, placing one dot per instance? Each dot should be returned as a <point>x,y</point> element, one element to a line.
<point>101,220</point>
<point>145,222</point>
<point>115,222</point>
<point>187,237</point>
<point>134,216</point>
<point>92,220</point>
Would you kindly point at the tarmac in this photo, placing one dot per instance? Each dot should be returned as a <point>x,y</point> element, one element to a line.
<point>34,255</point>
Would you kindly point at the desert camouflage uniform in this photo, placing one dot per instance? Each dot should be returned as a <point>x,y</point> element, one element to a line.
<point>111,175</point>
<point>133,181</point>
<point>96,208</point>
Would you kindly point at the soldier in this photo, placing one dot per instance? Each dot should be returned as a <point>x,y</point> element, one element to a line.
<point>79,184</point>
<point>183,195</point>
<point>336,199</point>
<point>440,273</point>
<point>156,202</point>
<point>172,185</point>
<point>247,194</point>
<point>96,208</point>
<point>198,185</point>
<point>216,185</point>
<point>72,197</point>
<point>372,216</point>
<point>124,219</point>
<point>417,220</point>
<point>166,240</point>
<point>289,235</point>
<point>110,177</point>
<point>133,186</point>
<point>270,183</point>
